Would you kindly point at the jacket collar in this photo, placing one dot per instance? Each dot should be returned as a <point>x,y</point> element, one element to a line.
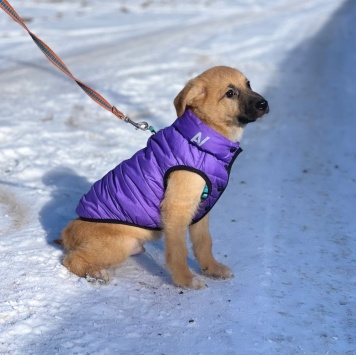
<point>205,138</point>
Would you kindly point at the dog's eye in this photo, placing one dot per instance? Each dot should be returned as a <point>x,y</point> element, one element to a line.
<point>230,94</point>
<point>248,85</point>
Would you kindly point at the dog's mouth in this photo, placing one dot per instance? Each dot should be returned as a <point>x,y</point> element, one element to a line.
<point>244,120</point>
<point>256,113</point>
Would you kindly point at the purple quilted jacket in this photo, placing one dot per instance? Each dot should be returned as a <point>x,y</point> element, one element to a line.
<point>132,192</point>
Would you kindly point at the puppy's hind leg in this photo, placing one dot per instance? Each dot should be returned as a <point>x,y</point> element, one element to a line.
<point>92,248</point>
<point>95,258</point>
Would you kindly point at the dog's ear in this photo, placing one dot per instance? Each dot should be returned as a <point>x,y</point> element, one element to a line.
<point>191,94</point>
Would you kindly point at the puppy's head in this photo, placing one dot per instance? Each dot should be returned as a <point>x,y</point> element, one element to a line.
<point>223,99</point>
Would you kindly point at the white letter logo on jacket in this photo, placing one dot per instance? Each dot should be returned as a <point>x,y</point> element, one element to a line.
<point>197,139</point>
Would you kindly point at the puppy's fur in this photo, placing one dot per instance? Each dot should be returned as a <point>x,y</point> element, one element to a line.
<point>222,98</point>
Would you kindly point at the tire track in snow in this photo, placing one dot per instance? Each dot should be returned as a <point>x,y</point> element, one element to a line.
<point>160,38</point>
<point>14,212</point>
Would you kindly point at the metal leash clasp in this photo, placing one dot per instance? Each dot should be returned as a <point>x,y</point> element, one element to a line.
<point>143,126</point>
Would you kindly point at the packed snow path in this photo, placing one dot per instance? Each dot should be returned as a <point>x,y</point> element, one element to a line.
<point>286,225</point>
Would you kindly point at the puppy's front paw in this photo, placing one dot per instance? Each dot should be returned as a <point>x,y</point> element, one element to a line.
<point>218,271</point>
<point>100,277</point>
<point>197,283</point>
<point>194,283</point>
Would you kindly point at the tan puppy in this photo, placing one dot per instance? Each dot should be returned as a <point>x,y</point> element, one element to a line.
<point>222,98</point>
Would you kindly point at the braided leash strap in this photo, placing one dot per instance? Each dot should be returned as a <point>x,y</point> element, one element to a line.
<point>51,56</point>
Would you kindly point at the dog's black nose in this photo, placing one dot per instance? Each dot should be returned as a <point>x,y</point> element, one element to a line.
<point>262,105</point>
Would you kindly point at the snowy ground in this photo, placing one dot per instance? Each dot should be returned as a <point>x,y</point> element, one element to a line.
<point>286,225</point>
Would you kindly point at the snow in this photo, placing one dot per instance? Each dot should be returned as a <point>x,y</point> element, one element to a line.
<point>286,225</point>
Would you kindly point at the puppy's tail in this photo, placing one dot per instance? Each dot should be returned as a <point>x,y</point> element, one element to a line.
<point>59,242</point>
